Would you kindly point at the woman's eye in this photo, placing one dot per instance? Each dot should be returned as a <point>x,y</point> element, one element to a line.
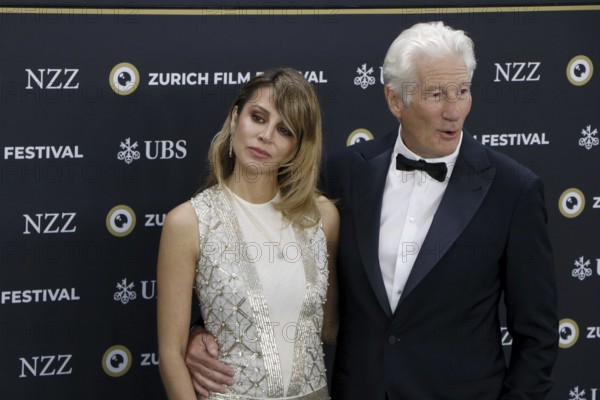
<point>257,118</point>
<point>285,131</point>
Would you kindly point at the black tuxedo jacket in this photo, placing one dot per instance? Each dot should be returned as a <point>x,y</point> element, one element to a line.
<point>487,239</point>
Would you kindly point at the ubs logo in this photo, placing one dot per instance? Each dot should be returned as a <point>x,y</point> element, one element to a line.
<point>582,270</point>
<point>589,138</point>
<point>124,79</point>
<point>578,394</point>
<point>153,150</point>
<point>580,70</point>
<point>120,220</point>
<point>128,151</point>
<point>126,291</point>
<point>116,361</point>
<point>365,77</point>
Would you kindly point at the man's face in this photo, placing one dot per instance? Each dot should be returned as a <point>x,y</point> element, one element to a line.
<point>440,103</point>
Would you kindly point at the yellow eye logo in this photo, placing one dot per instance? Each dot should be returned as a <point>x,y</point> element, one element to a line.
<point>120,220</point>
<point>116,361</point>
<point>568,332</point>
<point>124,79</point>
<point>580,70</point>
<point>571,203</point>
<point>359,135</point>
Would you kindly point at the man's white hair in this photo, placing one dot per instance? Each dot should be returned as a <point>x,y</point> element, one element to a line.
<point>430,40</point>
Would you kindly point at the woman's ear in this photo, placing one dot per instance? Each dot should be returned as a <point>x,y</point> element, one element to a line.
<point>234,119</point>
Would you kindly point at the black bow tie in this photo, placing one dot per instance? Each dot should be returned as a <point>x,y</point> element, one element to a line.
<point>436,170</point>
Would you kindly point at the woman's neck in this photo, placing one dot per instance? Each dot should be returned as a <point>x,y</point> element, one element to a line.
<point>257,189</point>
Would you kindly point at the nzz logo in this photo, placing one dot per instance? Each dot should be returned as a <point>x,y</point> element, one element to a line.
<point>517,72</point>
<point>52,78</point>
<point>50,223</point>
<point>154,149</point>
<point>50,365</point>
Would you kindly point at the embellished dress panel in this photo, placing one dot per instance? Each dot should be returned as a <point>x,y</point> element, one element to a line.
<point>236,312</point>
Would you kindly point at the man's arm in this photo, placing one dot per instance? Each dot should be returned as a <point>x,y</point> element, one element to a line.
<point>331,226</point>
<point>207,372</point>
<point>530,298</point>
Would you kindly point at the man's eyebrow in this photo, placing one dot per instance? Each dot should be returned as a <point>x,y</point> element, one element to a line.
<point>439,86</point>
<point>433,86</point>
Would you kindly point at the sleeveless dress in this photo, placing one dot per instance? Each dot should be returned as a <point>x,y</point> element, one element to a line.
<point>248,313</point>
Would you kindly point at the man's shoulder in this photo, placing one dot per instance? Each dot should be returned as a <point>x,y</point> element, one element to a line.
<point>505,164</point>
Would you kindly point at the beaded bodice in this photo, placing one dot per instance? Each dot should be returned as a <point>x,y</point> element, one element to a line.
<point>235,310</point>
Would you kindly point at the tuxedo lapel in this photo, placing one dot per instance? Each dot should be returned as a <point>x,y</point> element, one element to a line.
<point>468,185</point>
<point>369,173</point>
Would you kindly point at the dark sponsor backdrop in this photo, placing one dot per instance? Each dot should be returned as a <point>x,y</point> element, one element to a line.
<point>106,116</point>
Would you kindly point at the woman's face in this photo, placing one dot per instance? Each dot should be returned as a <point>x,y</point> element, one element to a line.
<point>261,141</point>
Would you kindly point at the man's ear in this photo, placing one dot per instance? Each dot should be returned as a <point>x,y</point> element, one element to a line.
<point>394,101</point>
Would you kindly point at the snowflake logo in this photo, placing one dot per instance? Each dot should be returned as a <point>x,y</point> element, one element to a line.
<point>129,152</point>
<point>125,292</point>
<point>364,80</point>
<point>576,394</point>
<point>581,271</point>
<point>589,138</point>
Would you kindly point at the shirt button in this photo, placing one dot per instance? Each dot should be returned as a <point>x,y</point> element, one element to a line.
<point>392,339</point>
<point>411,219</point>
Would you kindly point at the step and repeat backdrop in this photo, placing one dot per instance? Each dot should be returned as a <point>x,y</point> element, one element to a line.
<point>106,116</point>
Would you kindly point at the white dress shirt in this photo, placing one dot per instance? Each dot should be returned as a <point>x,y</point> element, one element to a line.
<point>410,200</point>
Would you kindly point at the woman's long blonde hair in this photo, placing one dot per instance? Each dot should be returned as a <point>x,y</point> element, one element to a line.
<point>297,103</point>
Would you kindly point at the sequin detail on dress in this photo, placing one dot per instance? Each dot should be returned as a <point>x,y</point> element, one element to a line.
<point>235,311</point>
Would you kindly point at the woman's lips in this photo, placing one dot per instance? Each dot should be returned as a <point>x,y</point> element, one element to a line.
<point>259,153</point>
